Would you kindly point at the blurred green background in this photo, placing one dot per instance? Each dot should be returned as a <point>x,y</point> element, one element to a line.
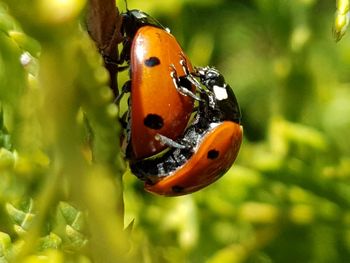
<point>287,197</point>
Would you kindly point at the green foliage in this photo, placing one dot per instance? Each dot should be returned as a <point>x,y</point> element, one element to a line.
<point>341,19</point>
<point>52,83</point>
<point>287,197</point>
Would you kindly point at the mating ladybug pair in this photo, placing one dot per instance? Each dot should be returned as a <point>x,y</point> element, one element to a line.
<point>183,124</point>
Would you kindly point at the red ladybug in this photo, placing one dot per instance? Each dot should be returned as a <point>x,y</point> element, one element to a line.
<point>208,148</point>
<point>160,103</point>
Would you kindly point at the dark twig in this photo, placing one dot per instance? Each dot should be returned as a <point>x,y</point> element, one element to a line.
<point>104,26</point>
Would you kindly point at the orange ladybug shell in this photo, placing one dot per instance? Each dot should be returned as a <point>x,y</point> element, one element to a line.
<point>156,105</point>
<point>214,156</point>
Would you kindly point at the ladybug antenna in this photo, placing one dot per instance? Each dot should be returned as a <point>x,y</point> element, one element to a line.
<point>126,5</point>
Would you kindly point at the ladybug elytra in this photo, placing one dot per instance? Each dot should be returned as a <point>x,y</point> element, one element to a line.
<point>159,102</point>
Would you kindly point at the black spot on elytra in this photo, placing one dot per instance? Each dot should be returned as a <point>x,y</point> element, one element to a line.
<point>177,189</point>
<point>153,121</point>
<point>152,61</point>
<point>213,154</point>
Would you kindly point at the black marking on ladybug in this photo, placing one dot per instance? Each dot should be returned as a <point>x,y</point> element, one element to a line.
<point>153,121</point>
<point>213,154</point>
<point>152,62</point>
<point>177,189</point>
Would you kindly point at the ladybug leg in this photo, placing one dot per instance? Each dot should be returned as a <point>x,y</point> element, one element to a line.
<point>181,86</point>
<point>171,143</point>
<point>122,68</point>
<point>209,94</point>
<point>125,52</point>
<point>194,82</point>
<point>109,61</point>
<point>200,73</point>
<point>190,77</point>
<point>125,89</point>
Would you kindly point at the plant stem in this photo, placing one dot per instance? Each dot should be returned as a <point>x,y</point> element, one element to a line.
<point>104,26</point>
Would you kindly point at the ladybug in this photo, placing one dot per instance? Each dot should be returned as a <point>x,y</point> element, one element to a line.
<point>208,147</point>
<point>160,101</point>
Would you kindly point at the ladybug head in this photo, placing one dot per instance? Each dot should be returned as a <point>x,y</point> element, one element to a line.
<point>211,77</point>
<point>135,19</point>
